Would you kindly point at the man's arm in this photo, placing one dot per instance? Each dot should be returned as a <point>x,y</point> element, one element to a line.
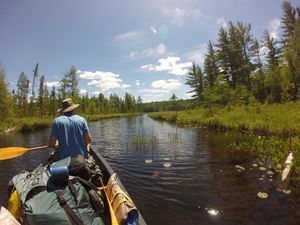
<point>52,142</point>
<point>87,138</point>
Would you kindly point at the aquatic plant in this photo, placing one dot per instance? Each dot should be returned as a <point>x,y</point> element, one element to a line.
<point>140,142</point>
<point>274,148</point>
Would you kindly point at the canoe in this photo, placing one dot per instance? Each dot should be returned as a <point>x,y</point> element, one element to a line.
<point>108,174</point>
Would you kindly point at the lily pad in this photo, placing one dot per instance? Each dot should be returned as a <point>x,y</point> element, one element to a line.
<point>262,195</point>
<point>148,161</point>
<point>254,165</point>
<point>155,174</point>
<point>270,172</point>
<point>240,167</point>
<point>167,159</point>
<point>167,165</point>
<point>262,168</point>
<point>279,166</point>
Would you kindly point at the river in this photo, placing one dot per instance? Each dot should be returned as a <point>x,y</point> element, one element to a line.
<point>176,176</point>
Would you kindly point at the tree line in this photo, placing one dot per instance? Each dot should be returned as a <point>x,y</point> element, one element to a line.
<point>235,72</point>
<point>24,102</point>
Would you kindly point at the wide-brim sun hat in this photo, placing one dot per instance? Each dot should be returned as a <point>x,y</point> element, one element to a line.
<point>67,106</point>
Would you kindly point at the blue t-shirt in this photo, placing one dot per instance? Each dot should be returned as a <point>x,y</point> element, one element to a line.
<point>70,130</point>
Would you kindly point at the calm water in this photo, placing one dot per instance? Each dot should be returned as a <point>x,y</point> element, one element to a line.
<point>200,186</point>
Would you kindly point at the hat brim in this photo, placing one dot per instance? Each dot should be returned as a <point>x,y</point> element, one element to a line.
<point>69,109</point>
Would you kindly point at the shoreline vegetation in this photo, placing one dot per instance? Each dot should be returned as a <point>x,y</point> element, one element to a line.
<point>275,127</point>
<point>36,123</point>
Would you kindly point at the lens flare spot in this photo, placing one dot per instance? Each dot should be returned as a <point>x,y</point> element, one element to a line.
<point>163,32</point>
<point>161,49</point>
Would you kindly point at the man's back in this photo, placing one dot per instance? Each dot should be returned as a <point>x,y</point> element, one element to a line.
<point>70,131</point>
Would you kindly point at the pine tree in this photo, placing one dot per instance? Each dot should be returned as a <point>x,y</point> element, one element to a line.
<point>290,21</point>
<point>6,102</point>
<point>211,70</point>
<point>224,57</point>
<point>22,95</point>
<point>72,79</point>
<point>42,96</point>
<point>53,102</point>
<point>195,80</point>
<point>273,78</point>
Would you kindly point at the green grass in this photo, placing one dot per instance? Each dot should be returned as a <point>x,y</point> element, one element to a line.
<point>97,117</point>
<point>276,126</point>
<point>140,142</point>
<point>36,123</point>
<point>280,119</point>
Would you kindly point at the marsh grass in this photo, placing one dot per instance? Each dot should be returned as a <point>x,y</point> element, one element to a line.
<point>278,119</point>
<point>275,149</point>
<point>277,127</point>
<point>142,142</point>
<point>96,117</point>
<point>174,137</point>
<point>28,124</point>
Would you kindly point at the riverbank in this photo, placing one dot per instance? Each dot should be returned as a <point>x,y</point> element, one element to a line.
<point>36,123</point>
<point>277,119</point>
<point>276,126</point>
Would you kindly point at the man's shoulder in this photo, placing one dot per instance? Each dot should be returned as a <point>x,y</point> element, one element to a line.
<point>77,117</point>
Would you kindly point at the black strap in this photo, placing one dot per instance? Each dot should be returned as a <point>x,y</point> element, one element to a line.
<point>87,184</point>
<point>34,191</point>
<point>71,215</point>
<point>72,188</point>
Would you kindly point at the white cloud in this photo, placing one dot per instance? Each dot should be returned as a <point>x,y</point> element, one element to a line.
<point>96,93</point>
<point>137,83</point>
<point>169,65</point>
<point>82,91</point>
<point>170,84</point>
<point>149,52</point>
<point>153,91</point>
<point>263,51</point>
<point>134,55</point>
<point>160,89</point>
<point>103,80</point>
<point>222,22</point>
<point>190,94</point>
<point>54,83</point>
<point>133,35</point>
<point>154,31</point>
<point>180,15</point>
<point>198,55</point>
<point>273,27</point>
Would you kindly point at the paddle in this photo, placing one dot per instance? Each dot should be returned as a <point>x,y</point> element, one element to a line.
<point>13,152</point>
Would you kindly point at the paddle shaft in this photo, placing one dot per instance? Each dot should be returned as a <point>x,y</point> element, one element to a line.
<point>38,148</point>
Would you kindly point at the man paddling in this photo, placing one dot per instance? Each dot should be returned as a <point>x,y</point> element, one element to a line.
<point>70,131</point>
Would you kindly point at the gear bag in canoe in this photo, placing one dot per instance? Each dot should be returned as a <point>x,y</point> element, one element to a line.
<point>48,195</point>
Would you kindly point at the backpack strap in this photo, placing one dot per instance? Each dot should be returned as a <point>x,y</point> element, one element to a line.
<point>87,184</point>
<point>74,219</point>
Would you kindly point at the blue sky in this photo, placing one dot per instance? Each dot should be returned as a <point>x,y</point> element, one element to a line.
<point>138,46</point>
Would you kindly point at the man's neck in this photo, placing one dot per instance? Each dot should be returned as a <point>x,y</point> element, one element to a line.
<point>68,114</point>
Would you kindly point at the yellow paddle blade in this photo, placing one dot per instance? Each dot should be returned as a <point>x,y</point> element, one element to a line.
<point>13,152</point>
